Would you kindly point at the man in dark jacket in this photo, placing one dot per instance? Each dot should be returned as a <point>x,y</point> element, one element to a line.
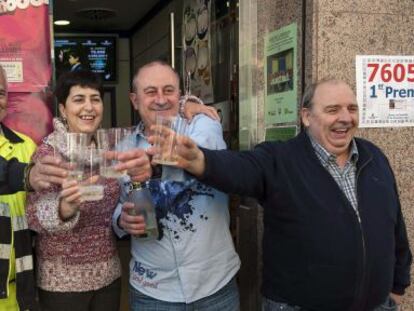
<point>334,235</point>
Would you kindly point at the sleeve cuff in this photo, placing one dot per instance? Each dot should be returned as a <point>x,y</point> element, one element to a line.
<point>117,229</point>
<point>48,215</point>
<point>206,166</point>
<point>399,290</point>
<point>16,175</point>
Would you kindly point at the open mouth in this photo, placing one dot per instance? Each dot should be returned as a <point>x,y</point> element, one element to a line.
<point>340,132</point>
<point>162,108</point>
<point>87,118</point>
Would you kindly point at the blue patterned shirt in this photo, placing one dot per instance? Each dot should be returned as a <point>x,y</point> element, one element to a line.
<point>195,256</point>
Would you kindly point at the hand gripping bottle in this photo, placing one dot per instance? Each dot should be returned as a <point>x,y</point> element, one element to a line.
<point>143,205</point>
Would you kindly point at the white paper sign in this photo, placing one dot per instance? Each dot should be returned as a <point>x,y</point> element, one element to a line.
<point>385,90</point>
<point>14,70</point>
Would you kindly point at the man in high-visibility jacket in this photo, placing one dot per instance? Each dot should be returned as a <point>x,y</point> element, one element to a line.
<point>17,287</point>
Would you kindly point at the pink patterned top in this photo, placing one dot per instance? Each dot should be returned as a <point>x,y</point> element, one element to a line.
<point>80,254</point>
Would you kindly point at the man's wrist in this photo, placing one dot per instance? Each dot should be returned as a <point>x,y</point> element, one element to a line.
<point>183,101</point>
<point>197,167</point>
<point>181,107</point>
<point>26,178</point>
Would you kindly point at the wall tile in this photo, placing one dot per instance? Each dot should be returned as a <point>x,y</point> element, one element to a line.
<point>361,6</point>
<point>342,36</point>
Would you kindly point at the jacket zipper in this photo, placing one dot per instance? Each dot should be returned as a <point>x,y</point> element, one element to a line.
<point>364,251</point>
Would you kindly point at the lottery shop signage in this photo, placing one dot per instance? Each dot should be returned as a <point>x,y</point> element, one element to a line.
<point>8,6</point>
<point>385,90</point>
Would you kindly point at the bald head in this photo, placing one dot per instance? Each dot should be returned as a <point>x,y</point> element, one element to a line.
<point>138,73</point>
<point>309,93</point>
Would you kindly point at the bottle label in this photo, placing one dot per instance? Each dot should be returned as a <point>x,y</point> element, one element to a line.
<point>136,185</point>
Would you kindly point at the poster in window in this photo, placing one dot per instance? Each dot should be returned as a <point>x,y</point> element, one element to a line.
<point>25,56</point>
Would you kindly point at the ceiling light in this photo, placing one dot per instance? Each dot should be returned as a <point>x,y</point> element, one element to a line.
<point>61,22</point>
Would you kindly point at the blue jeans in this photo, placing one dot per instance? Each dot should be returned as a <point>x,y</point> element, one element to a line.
<point>270,305</point>
<point>226,299</point>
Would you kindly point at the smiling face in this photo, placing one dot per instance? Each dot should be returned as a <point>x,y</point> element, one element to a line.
<point>157,93</point>
<point>83,109</point>
<point>3,95</point>
<point>332,119</point>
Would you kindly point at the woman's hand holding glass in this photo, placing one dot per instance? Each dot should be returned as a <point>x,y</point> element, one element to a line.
<point>82,163</point>
<point>91,186</point>
<point>70,199</point>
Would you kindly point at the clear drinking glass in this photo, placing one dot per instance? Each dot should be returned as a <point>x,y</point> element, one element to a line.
<point>165,145</point>
<point>112,141</point>
<point>75,143</point>
<point>91,186</point>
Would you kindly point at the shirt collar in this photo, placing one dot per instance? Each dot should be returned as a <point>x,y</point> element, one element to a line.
<point>326,156</point>
<point>10,135</point>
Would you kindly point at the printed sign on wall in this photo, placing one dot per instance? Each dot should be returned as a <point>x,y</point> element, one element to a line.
<point>385,90</point>
<point>26,58</point>
<point>281,76</point>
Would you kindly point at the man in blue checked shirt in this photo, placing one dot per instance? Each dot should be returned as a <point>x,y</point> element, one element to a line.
<point>193,264</point>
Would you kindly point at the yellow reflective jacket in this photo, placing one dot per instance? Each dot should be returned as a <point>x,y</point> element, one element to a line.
<point>21,147</point>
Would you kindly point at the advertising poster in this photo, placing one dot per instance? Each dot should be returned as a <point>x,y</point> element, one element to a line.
<point>197,48</point>
<point>25,55</point>
<point>281,76</point>
<point>97,54</point>
<point>385,90</point>
<point>25,44</point>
